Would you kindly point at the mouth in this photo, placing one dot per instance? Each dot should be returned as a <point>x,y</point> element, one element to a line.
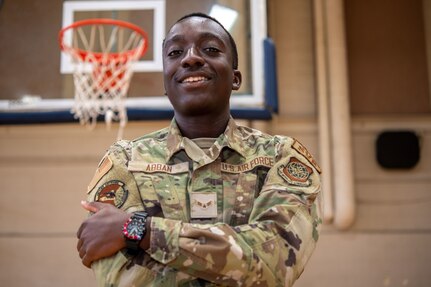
<point>197,79</point>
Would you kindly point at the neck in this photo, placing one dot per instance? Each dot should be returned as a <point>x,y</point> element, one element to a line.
<point>202,126</point>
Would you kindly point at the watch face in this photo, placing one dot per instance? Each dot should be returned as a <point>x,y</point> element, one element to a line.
<point>135,229</point>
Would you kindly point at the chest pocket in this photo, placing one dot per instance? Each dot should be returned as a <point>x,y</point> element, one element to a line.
<point>165,186</point>
<point>242,184</point>
<point>244,198</point>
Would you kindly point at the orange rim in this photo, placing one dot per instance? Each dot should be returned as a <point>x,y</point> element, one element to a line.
<point>98,55</point>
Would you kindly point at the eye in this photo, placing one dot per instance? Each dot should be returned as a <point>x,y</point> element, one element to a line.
<point>174,53</point>
<point>212,50</point>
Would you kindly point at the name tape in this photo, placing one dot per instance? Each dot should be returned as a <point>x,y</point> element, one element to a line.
<point>158,167</point>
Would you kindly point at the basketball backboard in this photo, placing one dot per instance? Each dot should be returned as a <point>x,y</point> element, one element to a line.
<point>51,88</point>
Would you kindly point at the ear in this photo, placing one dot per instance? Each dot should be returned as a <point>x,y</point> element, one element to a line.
<point>237,80</point>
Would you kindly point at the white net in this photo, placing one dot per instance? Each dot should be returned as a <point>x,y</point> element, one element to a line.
<point>103,54</point>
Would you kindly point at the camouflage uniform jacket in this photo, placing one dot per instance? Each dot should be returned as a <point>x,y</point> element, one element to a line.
<point>242,214</point>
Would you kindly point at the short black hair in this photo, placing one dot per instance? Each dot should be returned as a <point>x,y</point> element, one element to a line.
<point>231,40</point>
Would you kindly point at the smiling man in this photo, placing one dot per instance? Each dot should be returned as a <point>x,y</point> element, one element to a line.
<point>203,202</point>
<point>200,71</point>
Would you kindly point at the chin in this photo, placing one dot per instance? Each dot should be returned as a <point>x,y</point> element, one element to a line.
<point>196,111</point>
<point>192,107</point>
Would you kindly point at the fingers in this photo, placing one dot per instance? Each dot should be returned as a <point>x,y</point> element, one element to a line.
<point>79,245</point>
<point>81,229</point>
<point>85,258</point>
<point>82,250</point>
<point>91,206</point>
<point>87,261</point>
<point>82,253</point>
<point>97,233</point>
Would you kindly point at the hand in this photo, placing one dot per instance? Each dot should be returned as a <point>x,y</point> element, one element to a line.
<point>100,235</point>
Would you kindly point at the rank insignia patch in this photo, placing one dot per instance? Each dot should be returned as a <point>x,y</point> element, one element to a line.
<point>296,173</point>
<point>113,192</point>
<point>203,204</point>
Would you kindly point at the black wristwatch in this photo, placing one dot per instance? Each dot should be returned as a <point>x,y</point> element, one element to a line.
<point>134,230</point>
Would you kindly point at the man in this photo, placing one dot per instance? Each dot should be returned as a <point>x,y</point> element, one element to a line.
<point>211,203</point>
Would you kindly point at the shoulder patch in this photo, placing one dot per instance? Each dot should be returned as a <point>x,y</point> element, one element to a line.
<point>113,192</point>
<point>303,151</point>
<point>104,166</point>
<point>296,173</point>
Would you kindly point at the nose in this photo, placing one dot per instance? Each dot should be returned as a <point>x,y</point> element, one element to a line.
<point>192,58</point>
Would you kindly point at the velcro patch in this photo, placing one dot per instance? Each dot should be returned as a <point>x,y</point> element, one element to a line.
<point>104,166</point>
<point>158,167</point>
<point>247,166</point>
<point>113,192</point>
<point>203,204</point>
<point>302,150</point>
<point>296,173</point>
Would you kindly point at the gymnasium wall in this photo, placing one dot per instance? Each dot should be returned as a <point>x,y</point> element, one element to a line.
<point>44,171</point>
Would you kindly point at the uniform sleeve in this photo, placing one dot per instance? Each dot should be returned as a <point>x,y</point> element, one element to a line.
<point>112,183</point>
<point>271,249</point>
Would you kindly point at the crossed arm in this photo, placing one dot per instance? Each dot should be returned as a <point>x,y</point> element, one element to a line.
<point>100,235</point>
<point>282,236</point>
<point>272,247</point>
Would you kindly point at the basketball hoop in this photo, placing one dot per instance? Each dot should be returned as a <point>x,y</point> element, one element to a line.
<point>102,51</point>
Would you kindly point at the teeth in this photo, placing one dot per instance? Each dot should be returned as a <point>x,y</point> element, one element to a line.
<point>194,79</point>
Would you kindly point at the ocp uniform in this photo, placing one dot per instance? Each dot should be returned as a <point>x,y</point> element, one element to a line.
<point>217,208</point>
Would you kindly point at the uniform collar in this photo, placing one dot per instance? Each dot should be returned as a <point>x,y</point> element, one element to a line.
<point>230,138</point>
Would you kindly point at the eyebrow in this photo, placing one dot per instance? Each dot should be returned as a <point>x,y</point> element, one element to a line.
<point>174,39</point>
<point>181,38</point>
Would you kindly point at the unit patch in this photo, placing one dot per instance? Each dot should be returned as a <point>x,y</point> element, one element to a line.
<point>296,173</point>
<point>113,192</point>
<point>302,150</point>
<point>203,204</point>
